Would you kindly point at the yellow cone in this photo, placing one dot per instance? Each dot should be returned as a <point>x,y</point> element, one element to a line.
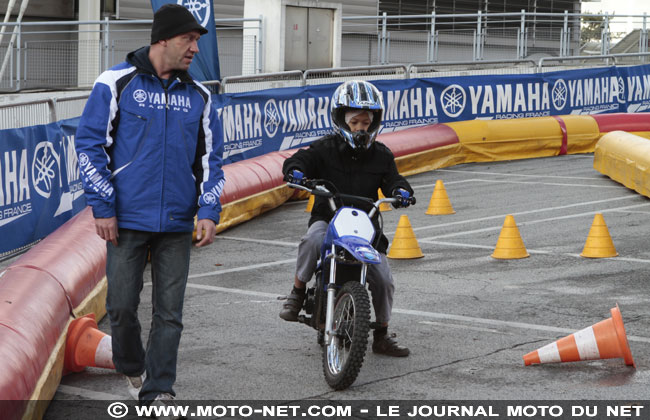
<point>404,244</point>
<point>310,204</point>
<point>383,206</point>
<point>599,243</point>
<point>510,245</point>
<point>440,203</point>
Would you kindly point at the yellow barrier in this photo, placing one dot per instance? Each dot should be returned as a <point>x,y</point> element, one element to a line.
<point>582,133</point>
<point>625,158</point>
<point>494,140</point>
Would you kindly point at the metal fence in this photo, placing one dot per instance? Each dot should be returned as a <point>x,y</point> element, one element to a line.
<point>488,36</point>
<point>41,111</point>
<point>462,68</point>
<point>61,55</point>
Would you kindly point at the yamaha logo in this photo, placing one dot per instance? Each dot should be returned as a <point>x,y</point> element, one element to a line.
<point>453,100</point>
<point>140,96</point>
<point>200,9</point>
<point>209,198</point>
<point>621,90</point>
<point>271,118</point>
<point>83,159</point>
<point>559,94</point>
<point>45,167</point>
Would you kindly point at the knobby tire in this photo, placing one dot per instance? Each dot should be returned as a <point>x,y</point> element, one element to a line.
<point>350,341</point>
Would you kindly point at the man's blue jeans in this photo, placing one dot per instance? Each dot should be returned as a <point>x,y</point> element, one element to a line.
<point>125,264</point>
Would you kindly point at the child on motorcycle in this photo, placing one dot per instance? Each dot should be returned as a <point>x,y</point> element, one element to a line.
<point>356,164</point>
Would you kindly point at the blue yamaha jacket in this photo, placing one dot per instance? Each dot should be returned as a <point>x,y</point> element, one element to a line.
<point>150,150</point>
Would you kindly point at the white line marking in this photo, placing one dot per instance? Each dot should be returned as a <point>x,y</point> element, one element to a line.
<point>630,211</point>
<point>498,181</point>
<point>497,322</point>
<point>423,314</point>
<point>248,267</point>
<point>465,327</point>
<point>88,394</point>
<point>502,216</point>
<point>515,175</point>
<point>415,187</point>
<point>258,241</point>
<point>492,181</point>
<point>229,290</point>
<point>462,245</point>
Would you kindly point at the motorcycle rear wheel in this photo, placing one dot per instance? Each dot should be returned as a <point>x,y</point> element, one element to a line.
<point>343,357</point>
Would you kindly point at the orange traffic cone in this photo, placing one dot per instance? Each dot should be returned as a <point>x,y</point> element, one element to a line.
<point>310,204</point>
<point>510,245</point>
<point>383,206</point>
<point>439,203</point>
<point>604,340</point>
<point>86,346</point>
<point>404,244</point>
<point>599,243</point>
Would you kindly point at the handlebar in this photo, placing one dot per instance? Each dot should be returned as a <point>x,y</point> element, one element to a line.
<point>315,188</point>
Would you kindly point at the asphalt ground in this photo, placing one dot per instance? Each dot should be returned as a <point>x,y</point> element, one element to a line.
<point>468,318</point>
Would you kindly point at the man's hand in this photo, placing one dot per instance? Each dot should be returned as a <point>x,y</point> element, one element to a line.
<point>106,228</point>
<point>205,231</point>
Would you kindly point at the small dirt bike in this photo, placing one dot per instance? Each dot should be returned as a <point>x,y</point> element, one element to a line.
<point>338,306</point>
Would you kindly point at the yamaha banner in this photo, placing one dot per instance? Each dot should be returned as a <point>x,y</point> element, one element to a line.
<point>259,122</point>
<point>205,65</point>
<point>40,188</point>
<point>256,123</point>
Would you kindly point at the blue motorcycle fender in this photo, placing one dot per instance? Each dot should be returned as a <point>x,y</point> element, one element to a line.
<point>359,248</point>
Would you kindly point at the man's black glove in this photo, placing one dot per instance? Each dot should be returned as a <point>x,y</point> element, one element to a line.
<point>404,196</point>
<point>294,176</point>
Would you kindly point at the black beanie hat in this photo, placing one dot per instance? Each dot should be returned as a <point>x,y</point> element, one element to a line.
<point>171,20</point>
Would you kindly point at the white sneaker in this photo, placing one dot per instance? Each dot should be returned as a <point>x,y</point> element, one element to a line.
<point>135,385</point>
<point>167,400</point>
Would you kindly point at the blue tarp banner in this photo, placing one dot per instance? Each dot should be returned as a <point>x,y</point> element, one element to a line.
<point>205,65</point>
<point>259,122</point>
<point>40,188</point>
<point>256,123</point>
<point>39,177</point>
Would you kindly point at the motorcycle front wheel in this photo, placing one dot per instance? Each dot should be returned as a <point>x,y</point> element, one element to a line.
<point>343,357</point>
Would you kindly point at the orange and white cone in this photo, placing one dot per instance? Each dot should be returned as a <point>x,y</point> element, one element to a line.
<point>604,340</point>
<point>86,346</point>
<point>383,206</point>
<point>404,245</point>
<point>439,203</point>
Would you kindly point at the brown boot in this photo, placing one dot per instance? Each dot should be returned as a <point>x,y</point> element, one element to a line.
<point>388,345</point>
<point>293,305</point>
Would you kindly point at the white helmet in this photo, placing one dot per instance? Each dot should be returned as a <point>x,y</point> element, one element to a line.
<point>357,95</point>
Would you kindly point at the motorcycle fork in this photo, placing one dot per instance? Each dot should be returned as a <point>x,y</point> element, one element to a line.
<point>331,295</point>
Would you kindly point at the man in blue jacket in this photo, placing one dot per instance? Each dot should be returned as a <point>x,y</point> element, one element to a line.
<point>150,152</point>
